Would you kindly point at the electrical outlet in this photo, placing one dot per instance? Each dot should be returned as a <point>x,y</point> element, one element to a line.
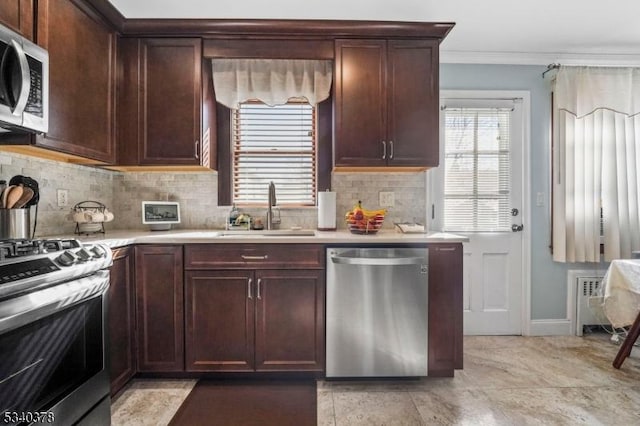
<point>386,199</point>
<point>63,197</point>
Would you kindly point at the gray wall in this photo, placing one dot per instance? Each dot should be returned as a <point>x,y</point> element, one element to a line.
<point>548,278</point>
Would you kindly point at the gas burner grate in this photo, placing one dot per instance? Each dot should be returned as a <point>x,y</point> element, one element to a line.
<point>23,247</point>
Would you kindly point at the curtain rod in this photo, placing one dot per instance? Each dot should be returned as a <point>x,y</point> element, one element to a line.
<point>551,67</point>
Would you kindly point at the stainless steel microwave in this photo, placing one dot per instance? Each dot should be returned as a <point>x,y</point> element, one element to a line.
<point>24,84</point>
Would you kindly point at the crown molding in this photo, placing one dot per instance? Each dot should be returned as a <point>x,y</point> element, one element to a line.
<point>538,58</point>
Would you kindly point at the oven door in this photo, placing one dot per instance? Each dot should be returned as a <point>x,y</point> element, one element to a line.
<point>52,354</point>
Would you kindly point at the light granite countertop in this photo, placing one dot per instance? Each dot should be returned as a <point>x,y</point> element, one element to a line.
<point>119,238</point>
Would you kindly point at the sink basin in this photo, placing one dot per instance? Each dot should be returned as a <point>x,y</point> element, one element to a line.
<point>270,233</point>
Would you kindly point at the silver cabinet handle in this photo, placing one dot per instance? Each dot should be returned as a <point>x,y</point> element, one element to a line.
<point>384,150</point>
<point>249,281</point>
<point>259,291</point>
<point>446,249</point>
<point>197,149</point>
<point>246,257</point>
<point>391,153</point>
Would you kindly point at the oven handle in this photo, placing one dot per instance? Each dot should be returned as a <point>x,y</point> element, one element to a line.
<point>30,307</point>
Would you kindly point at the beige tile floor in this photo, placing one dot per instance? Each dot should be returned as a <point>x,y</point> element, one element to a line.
<point>505,381</point>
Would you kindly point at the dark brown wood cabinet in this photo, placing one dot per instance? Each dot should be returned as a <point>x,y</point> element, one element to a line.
<point>160,103</point>
<point>248,314</point>
<point>82,80</point>
<point>445,308</point>
<point>386,103</point>
<point>160,308</point>
<point>18,15</point>
<point>219,321</point>
<point>121,319</point>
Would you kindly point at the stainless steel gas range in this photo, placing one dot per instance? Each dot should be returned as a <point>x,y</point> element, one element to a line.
<point>53,345</point>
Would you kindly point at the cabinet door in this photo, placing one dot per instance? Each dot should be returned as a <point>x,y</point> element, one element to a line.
<point>289,320</point>
<point>219,321</point>
<point>160,308</point>
<point>445,308</point>
<point>171,101</point>
<point>18,15</point>
<point>412,113</point>
<point>121,319</point>
<point>360,103</point>
<point>82,90</point>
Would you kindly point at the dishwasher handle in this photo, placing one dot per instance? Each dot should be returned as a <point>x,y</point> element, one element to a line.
<point>378,261</point>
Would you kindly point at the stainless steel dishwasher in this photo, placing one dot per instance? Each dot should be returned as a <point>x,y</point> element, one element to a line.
<point>376,312</point>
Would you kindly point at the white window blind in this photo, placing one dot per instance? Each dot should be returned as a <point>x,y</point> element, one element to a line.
<point>477,170</point>
<point>274,143</point>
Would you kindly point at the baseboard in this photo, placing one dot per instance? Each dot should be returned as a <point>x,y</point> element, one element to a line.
<point>551,327</point>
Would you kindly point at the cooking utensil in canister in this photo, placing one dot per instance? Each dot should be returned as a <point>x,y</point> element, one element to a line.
<point>14,196</point>
<point>27,195</point>
<point>5,195</point>
<point>27,182</point>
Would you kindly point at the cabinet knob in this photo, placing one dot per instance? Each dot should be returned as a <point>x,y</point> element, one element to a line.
<point>384,150</point>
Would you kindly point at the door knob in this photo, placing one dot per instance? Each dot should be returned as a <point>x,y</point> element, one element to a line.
<point>517,228</point>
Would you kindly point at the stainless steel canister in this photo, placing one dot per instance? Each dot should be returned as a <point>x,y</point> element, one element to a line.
<point>15,224</point>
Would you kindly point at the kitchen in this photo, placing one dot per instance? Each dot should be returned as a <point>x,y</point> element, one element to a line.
<point>123,191</point>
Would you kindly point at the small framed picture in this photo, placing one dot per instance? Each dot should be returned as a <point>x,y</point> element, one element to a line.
<point>160,214</point>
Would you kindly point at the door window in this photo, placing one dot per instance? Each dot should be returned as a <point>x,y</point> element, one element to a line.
<point>477,173</point>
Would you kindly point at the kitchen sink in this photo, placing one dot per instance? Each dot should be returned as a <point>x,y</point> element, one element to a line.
<point>270,233</point>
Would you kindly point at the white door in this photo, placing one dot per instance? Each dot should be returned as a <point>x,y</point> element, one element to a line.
<point>478,192</point>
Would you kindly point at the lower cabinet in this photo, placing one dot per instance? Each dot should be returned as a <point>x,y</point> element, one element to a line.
<point>241,320</point>
<point>160,308</point>
<point>445,308</point>
<point>121,319</point>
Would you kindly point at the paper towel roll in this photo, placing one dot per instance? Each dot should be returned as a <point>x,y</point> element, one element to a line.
<point>327,211</point>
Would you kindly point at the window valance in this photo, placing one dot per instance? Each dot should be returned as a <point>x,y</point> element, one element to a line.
<point>272,81</point>
<point>583,90</point>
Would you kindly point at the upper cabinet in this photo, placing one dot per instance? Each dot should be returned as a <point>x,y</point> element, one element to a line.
<point>161,103</point>
<point>18,15</point>
<point>82,80</point>
<point>386,103</point>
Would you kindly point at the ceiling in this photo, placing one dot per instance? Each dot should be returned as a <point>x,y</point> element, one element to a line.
<point>588,32</point>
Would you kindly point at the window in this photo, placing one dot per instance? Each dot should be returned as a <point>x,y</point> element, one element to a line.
<point>596,202</point>
<point>274,143</point>
<point>477,179</point>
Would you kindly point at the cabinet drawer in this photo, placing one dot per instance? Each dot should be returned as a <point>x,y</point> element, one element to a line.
<point>234,256</point>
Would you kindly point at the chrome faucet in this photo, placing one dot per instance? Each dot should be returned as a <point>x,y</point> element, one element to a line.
<point>272,202</point>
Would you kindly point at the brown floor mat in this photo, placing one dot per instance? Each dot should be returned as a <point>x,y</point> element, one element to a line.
<point>243,403</point>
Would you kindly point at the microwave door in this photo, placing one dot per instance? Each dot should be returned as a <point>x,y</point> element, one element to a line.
<point>14,83</point>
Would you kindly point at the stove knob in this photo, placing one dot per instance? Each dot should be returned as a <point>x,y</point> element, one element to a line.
<point>66,258</point>
<point>83,255</point>
<point>98,252</point>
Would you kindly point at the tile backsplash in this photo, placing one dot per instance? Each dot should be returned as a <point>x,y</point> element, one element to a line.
<point>197,194</point>
<point>83,183</point>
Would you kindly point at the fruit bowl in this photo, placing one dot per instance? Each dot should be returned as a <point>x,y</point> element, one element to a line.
<point>366,225</point>
<point>362,221</point>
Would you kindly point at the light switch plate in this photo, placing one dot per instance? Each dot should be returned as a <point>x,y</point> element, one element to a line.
<point>386,199</point>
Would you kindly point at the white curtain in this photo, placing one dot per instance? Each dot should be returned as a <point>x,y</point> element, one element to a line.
<point>272,81</point>
<point>596,163</point>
